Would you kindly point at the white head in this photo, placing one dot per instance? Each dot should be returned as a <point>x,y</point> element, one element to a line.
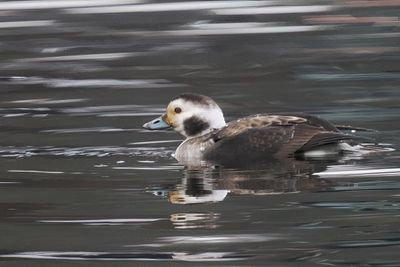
<point>191,115</point>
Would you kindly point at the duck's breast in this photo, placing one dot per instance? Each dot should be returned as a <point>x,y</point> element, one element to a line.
<point>193,149</point>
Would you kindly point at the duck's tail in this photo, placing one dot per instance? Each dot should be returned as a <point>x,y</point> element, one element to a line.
<point>366,148</point>
<point>353,129</point>
<point>347,150</point>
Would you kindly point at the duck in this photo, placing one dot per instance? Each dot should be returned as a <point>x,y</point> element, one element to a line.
<point>256,137</point>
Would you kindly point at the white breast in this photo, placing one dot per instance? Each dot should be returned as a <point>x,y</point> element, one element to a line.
<point>192,149</point>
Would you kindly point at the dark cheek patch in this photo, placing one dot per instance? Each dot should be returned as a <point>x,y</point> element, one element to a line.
<point>194,126</point>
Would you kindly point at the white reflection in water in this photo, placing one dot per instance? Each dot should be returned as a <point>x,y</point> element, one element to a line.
<point>219,239</point>
<point>209,256</point>
<point>204,25</point>
<point>101,56</point>
<point>164,7</point>
<point>26,23</point>
<point>150,168</point>
<point>51,50</point>
<point>274,10</point>
<point>26,5</point>
<point>246,30</point>
<point>36,171</point>
<point>15,115</point>
<point>152,83</point>
<point>180,197</point>
<point>48,101</point>
<point>170,67</point>
<point>195,220</point>
<point>337,171</point>
<point>103,221</point>
<point>89,130</point>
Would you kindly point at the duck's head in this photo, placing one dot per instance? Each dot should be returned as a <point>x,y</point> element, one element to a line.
<point>191,115</point>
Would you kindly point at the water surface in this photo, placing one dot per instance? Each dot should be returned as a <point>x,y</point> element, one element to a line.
<point>81,182</point>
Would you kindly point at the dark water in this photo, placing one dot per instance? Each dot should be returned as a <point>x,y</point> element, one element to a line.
<point>81,183</point>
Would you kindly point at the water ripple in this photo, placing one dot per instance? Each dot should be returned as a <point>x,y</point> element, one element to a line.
<point>96,151</point>
<point>93,57</point>
<point>218,239</point>
<point>266,29</point>
<point>167,7</point>
<point>275,10</point>
<point>26,23</point>
<point>359,205</point>
<point>97,83</point>
<point>127,256</point>
<point>35,171</point>
<point>89,130</point>
<point>27,5</point>
<point>351,76</point>
<point>367,243</point>
<point>98,222</point>
<point>100,111</point>
<point>48,101</point>
<point>367,185</point>
<point>361,173</point>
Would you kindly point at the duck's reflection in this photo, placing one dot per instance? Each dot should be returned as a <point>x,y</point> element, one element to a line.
<point>195,220</point>
<point>209,184</point>
<point>198,186</point>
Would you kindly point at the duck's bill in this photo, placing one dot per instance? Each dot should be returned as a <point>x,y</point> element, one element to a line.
<point>157,124</point>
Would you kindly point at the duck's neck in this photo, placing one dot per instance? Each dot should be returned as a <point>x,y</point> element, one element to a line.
<point>195,127</point>
<point>206,131</point>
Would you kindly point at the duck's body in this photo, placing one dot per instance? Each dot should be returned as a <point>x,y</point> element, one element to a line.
<point>257,137</point>
<point>262,136</point>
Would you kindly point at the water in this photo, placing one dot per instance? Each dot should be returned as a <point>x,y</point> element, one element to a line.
<point>82,183</point>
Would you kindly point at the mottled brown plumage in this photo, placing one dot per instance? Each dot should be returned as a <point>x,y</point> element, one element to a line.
<point>271,136</point>
<point>256,121</point>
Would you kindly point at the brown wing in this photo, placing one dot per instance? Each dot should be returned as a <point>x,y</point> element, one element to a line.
<point>306,137</point>
<point>269,142</point>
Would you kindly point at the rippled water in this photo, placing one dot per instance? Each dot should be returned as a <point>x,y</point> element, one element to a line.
<point>82,183</point>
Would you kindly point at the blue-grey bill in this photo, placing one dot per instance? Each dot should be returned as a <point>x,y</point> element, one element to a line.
<point>156,124</point>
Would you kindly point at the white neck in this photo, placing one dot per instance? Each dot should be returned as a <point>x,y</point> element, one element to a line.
<point>215,118</point>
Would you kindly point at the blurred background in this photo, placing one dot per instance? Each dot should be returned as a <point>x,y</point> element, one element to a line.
<point>78,78</point>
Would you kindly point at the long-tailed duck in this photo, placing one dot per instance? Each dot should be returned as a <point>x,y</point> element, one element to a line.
<point>256,137</point>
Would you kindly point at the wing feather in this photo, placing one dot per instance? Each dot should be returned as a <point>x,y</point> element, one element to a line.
<point>274,141</point>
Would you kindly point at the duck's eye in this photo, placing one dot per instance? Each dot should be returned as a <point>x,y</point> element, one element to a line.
<point>178,110</point>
